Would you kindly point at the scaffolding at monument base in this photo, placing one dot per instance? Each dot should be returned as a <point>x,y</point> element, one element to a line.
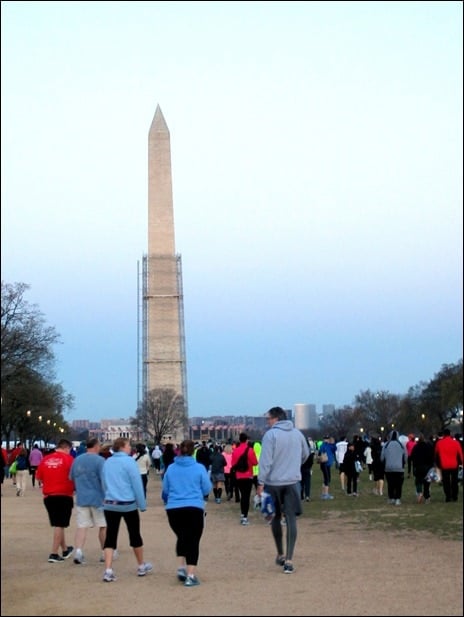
<point>160,327</point>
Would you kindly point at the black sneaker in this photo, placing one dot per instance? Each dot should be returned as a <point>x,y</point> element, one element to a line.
<point>68,552</point>
<point>288,568</point>
<point>280,561</point>
<point>54,558</point>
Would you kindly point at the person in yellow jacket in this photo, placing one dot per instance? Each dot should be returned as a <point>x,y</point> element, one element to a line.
<point>257,449</point>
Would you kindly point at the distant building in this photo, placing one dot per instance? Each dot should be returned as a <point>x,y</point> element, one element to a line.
<point>306,418</point>
<point>105,423</point>
<point>302,416</point>
<point>80,425</point>
<point>110,432</point>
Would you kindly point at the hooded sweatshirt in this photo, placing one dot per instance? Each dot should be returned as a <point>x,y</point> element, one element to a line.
<point>283,450</point>
<point>185,484</point>
<point>394,454</point>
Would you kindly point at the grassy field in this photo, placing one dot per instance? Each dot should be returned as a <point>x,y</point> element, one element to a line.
<point>373,511</point>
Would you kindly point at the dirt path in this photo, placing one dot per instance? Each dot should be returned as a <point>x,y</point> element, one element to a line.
<point>339,569</point>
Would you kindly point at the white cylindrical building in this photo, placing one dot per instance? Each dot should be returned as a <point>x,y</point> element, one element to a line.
<point>302,414</point>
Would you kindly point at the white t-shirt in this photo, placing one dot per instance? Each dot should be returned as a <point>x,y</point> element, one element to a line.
<point>342,447</point>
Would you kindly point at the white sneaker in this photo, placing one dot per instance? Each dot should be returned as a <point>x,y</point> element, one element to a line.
<point>109,576</point>
<point>144,568</point>
<point>79,556</point>
<point>244,521</point>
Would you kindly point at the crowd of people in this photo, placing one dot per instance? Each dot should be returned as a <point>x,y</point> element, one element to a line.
<point>108,484</point>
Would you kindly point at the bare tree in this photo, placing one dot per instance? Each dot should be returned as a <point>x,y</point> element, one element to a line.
<point>161,413</point>
<point>340,423</point>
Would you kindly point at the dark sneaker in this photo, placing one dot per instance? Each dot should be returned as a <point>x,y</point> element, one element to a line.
<point>191,581</point>
<point>288,568</point>
<point>280,561</point>
<point>181,574</point>
<point>54,558</point>
<point>68,552</point>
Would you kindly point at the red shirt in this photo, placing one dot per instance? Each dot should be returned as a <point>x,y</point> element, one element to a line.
<point>53,472</point>
<point>448,453</point>
<point>252,460</point>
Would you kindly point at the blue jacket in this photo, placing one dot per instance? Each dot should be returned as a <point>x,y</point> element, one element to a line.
<point>329,449</point>
<point>185,484</point>
<point>123,482</point>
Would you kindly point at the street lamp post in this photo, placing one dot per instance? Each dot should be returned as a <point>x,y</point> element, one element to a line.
<point>423,416</point>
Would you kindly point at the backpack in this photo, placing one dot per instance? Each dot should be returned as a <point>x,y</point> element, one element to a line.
<point>242,463</point>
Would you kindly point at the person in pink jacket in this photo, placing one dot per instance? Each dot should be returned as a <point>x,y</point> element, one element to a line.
<point>35,458</point>
<point>244,479</point>
<point>448,457</point>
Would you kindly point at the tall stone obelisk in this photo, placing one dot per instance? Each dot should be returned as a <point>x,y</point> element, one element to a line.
<point>163,339</point>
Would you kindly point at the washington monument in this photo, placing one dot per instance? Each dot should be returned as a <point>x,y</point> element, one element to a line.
<point>163,337</point>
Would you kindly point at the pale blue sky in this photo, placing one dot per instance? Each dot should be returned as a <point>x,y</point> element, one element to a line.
<point>317,178</point>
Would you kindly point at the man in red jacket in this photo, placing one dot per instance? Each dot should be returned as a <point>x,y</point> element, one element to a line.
<point>448,457</point>
<point>58,491</point>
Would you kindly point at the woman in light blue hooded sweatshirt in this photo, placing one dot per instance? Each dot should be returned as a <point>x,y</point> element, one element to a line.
<point>186,484</point>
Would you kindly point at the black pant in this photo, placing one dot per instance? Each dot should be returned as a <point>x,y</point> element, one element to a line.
<point>244,486</point>
<point>113,520</point>
<point>187,523</point>
<point>449,480</point>
<point>395,481</point>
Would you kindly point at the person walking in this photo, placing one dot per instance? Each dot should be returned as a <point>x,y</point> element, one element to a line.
<point>283,450</point>
<point>142,459</point>
<point>378,466</point>
<point>421,461</point>
<point>340,448</point>
<point>448,457</point>
<point>349,467</point>
<point>394,456</point>
<point>22,464</point>
<point>11,459</point>
<point>186,484</point>
<point>34,461</point>
<point>124,497</point>
<point>327,449</point>
<point>167,458</point>
<point>228,479</point>
<point>218,464</point>
<point>244,477</point>
<point>203,455</point>
<point>58,490</point>
<point>87,474</point>
<point>306,473</point>
<point>3,466</point>
<point>368,459</point>
<point>410,445</point>
<point>156,455</point>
